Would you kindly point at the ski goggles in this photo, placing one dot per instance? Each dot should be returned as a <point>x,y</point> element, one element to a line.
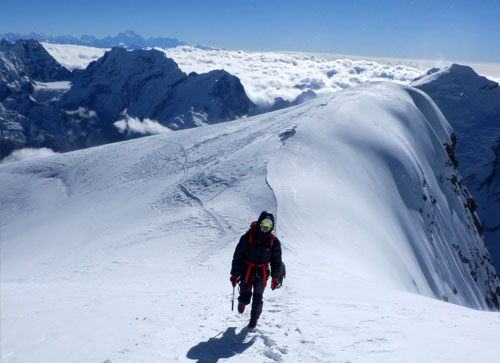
<point>266,224</point>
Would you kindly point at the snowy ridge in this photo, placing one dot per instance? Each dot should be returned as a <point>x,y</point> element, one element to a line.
<point>471,103</point>
<point>127,253</point>
<point>412,174</point>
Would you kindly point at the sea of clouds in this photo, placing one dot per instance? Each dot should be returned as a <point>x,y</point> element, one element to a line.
<point>269,75</point>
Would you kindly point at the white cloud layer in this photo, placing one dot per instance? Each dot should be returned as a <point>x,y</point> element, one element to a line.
<point>28,154</point>
<point>145,127</point>
<point>268,75</point>
<point>74,56</point>
<point>82,112</point>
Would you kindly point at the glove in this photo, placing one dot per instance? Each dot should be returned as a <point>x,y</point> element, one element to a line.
<point>234,280</point>
<point>274,283</point>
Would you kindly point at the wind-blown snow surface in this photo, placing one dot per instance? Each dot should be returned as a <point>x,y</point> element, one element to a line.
<point>122,252</point>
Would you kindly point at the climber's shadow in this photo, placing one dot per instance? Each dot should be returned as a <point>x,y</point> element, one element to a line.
<point>225,346</point>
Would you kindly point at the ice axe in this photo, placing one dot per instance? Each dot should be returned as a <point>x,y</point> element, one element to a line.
<point>232,301</point>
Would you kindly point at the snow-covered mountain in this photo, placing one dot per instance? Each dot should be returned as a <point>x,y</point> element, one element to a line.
<point>130,105</point>
<point>471,104</point>
<point>28,58</point>
<point>127,39</point>
<point>131,81</point>
<point>122,252</point>
<point>121,95</point>
<point>29,79</point>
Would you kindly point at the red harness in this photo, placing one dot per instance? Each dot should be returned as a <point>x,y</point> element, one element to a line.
<point>261,265</point>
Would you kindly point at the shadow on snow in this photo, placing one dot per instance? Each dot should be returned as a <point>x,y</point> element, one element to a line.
<point>228,345</point>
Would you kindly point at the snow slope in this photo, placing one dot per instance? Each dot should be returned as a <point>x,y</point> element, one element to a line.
<point>121,253</point>
<point>471,104</point>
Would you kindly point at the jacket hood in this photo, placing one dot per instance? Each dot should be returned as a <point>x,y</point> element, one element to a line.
<point>266,214</point>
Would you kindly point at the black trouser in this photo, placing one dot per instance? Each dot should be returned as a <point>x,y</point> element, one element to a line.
<point>256,283</point>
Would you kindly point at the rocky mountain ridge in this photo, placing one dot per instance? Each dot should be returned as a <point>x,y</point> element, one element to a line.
<point>42,104</point>
<point>127,39</point>
<point>471,103</point>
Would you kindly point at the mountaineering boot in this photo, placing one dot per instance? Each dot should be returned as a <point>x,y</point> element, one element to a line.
<point>241,308</point>
<point>252,323</point>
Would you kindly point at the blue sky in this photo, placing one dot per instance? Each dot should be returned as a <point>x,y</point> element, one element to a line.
<point>438,29</point>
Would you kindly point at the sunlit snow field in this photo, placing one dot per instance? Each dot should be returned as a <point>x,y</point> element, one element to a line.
<point>121,253</point>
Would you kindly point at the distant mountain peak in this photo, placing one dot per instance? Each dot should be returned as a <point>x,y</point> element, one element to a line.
<point>127,39</point>
<point>457,75</point>
<point>32,58</point>
<point>130,33</point>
